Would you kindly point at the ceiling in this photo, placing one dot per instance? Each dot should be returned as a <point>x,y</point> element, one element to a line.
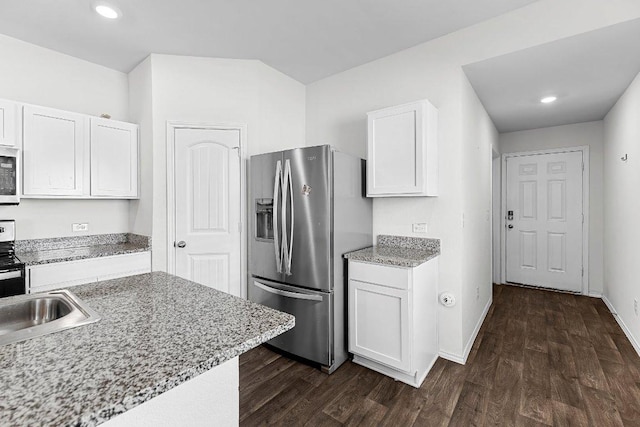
<point>588,73</point>
<point>305,39</point>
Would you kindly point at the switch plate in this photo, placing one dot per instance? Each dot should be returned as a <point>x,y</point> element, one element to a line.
<point>420,227</point>
<point>80,227</point>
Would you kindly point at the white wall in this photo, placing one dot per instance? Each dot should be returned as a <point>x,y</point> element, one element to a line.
<point>336,108</point>
<point>495,212</point>
<point>41,76</point>
<point>592,135</point>
<point>621,208</point>
<point>479,139</point>
<point>141,111</point>
<point>219,91</point>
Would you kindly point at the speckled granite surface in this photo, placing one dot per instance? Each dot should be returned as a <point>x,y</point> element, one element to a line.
<point>61,249</point>
<point>419,243</point>
<point>157,331</point>
<point>398,251</point>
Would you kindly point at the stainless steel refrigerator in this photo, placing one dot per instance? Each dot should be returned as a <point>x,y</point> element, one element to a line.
<point>308,207</point>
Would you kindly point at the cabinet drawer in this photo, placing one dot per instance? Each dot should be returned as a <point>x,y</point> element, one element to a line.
<point>72,273</point>
<point>393,277</point>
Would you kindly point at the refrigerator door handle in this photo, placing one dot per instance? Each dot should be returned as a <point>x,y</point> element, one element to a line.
<point>289,186</point>
<point>281,292</point>
<point>277,185</point>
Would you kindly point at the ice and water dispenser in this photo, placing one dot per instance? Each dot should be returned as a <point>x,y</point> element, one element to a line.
<point>264,219</point>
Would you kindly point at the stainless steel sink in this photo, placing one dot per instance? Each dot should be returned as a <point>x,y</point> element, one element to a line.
<point>31,316</point>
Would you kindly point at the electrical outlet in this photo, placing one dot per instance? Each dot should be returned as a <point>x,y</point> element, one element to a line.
<point>420,227</point>
<point>635,306</point>
<point>80,227</point>
<point>477,293</point>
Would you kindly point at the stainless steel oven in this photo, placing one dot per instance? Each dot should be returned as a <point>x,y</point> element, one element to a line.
<point>12,270</point>
<point>9,176</point>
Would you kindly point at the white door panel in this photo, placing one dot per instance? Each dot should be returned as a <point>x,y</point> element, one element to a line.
<point>544,237</point>
<point>207,182</point>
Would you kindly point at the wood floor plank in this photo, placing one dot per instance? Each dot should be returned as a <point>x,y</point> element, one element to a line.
<point>347,401</point>
<point>483,370</point>
<point>504,399</point>
<point>252,365</point>
<point>321,420</point>
<point>405,409</point>
<point>471,408</point>
<point>629,355</point>
<point>368,414</point>
<point>568,416</point>
<point>257,396</point>
<point>514,340</point>
<point>601,408</point>
<point>565,386</point>
<point>387,391</point>
<point>575,324</point>
<point>535,395</point>
<point>588,366</point>
<point>625,391</point>
<point>536,333</point>
<point>309,408</point>
<point>541,358</point>
<point>278,405</point>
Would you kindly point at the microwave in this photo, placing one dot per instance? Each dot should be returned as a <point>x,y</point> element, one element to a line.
<point>9,176</point>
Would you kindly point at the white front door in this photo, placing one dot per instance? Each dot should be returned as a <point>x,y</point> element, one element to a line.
<point>544,220</point>
<point>207,197</point>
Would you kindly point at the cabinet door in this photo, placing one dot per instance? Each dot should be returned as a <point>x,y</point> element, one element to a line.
<point>379,327</point>
<point>114,158</point>
<point>8,123</point>
<point>402,151</point>
<point>54,152</point>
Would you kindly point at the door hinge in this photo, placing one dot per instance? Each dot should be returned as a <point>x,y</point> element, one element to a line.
<point>582,271</point>
<point>583,218</point>
<point>240,227</point>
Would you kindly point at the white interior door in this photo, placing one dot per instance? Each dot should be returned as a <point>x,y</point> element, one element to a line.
<point>207,197</point>
<point>544,220</point>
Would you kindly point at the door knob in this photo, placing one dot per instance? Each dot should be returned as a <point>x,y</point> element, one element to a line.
<point>181,244</point>
<point>510,226</point>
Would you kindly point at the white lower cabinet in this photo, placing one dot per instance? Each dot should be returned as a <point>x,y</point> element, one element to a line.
<point>393,319</point>
<point>46,277</point>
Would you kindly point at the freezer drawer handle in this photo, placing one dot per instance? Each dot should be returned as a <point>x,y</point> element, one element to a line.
<point>289,294</point>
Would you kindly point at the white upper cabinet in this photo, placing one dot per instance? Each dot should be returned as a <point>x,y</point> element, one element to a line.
<point>54,152</point>
<point>402,152</point>
<point>114,158</point>
<point>9,123</point>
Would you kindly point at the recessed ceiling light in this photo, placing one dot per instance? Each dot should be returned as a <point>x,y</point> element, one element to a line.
<point>548,99</point>
<point>107,11</point>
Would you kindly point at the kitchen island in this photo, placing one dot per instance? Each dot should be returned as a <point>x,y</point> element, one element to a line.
<point>157,332</point>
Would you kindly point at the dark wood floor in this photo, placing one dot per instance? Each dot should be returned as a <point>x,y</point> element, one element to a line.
<point>541,358</point>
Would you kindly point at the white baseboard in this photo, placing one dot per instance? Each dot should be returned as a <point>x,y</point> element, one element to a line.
<point>452,357</point>
<point>595,294</point>
<point>462,359</point>
<point>624,327</point>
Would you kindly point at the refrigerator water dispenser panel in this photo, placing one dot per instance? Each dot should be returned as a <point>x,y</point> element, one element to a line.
<point>264,219</point>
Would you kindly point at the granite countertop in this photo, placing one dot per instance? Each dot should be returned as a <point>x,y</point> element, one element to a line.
<point>46,251</point>
<point>72,254</point>
<point>157,331</point>
<point>398,251</point>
